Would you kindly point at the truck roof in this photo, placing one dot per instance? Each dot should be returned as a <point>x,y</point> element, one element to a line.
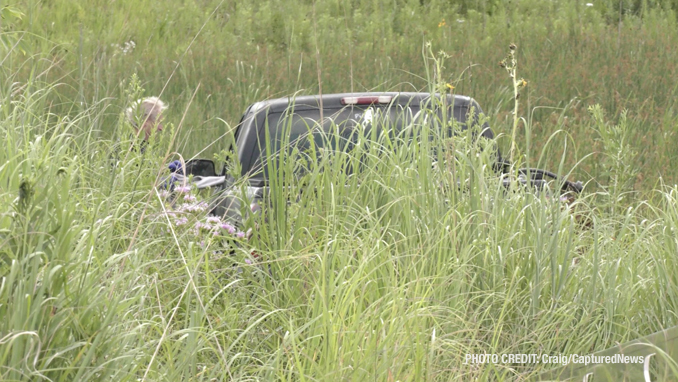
<point>334,101</point>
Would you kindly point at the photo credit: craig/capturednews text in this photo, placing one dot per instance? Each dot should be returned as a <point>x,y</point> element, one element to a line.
<point>561,359</point>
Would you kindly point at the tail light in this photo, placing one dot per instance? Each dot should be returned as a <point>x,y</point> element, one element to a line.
<point>367,100</point>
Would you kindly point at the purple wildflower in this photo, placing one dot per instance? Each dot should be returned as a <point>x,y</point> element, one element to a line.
<point>213,220</point>
<point>227,227</point>
<point>248,261</point>
<point>200,207</point>
<point>183,189</point>
<point>205,226</point>
<point>163,194</point>
<point>185,207</point>
<point>189,198</point>
<point>240,234</point>
<point>181,221</point>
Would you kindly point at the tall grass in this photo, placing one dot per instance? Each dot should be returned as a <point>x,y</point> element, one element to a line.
<point>395,271</point>
<point>573,55</point>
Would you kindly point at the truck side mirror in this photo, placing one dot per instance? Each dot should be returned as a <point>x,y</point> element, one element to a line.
<point>200,167</point>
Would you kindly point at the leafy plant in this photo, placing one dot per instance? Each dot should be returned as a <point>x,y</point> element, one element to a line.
<point>620,157</point>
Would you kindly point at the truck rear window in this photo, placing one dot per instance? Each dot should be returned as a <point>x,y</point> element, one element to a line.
<point>299,129</point>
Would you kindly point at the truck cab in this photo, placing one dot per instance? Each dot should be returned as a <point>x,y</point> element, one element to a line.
<point>279,124</point>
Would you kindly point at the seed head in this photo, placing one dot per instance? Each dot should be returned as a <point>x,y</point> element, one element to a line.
<point>502,63</point>
<point>25,193</point>
<point>512,46</point>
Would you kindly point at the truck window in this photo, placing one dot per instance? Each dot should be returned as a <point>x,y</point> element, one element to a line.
<point>297,129</point>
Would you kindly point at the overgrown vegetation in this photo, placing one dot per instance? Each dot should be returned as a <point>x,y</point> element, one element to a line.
<point>612,53</point>
<point>394,277</point>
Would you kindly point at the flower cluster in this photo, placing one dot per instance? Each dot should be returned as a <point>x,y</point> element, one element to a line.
<point>126,47</point>
<point>187,210</point>
<point>213,226</point>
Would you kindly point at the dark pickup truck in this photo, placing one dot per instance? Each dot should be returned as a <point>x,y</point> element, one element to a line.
<point>292,117</point>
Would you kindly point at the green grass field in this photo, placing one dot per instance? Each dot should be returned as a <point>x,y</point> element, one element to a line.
<point>394,278</point>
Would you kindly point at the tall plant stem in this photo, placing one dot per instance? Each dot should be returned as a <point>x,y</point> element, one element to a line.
<point>516,102</point>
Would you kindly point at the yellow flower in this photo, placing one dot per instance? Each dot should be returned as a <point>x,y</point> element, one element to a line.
<point>449,86</point>
<point>441,24</point>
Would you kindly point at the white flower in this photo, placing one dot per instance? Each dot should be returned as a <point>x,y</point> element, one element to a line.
<point>128,47</point>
